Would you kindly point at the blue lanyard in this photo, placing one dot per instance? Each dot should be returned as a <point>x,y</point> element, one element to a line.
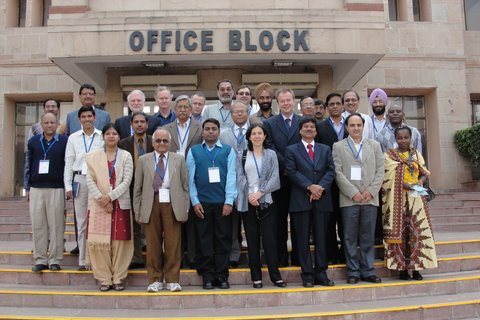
<point>85,143</point>
<point>256,164</point>
<point>224,119</point>
<point>110,171</point>
<point>210,156</point>
<point>239,140</point>
<point>374,127</point>
<point>157,169</point>
<point>43,147</point>
<point>340,132</point>
<point>182,141</point>
<point>351,149</point>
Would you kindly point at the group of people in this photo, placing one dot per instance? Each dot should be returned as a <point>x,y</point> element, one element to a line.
<point>182,182</point>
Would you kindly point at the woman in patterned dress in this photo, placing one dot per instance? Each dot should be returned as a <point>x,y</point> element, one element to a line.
<point>409,243</point>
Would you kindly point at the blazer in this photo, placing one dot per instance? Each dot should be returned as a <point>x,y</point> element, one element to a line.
<point>124,125</point>
<point>302,172</point>
<point>194,135</point>
<point>143,192</point>
<point>73,123</point>
<point>327,135</point>
<point>268,181</point>
<point>123,177</point>
<point>279,138</point>
<point>228,137</point>
<point>372,164</point>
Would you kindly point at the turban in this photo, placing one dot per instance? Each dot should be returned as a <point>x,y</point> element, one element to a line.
<point>378,93</point>
<point>264,86</point>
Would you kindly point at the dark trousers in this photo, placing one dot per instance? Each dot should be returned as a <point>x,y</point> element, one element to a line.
<point>282,198</point>
<point>188,240</point>
<point>318,221</point>
<point>264,229</point>
<point>335,254</point>
<point>379,223</point>
<point>213,235</point>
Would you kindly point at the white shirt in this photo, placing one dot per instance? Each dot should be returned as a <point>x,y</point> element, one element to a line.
<point>183,134</point>
<point>305,144</point>
<point>368,131</point>
<point>378,124</point>
<point>75,153</point>
<point>166,180</point>
<point>357,146</point>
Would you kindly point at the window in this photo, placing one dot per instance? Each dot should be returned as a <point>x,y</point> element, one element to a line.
<point>46,5</point>
<point>392,10</point>
<point>472,14</point>
<point>475,112</point>
<point>417,12</point>
<point>22,10</point>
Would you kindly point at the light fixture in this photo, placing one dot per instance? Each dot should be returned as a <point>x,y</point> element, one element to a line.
<point>283,63</point>
<point>154,64</point>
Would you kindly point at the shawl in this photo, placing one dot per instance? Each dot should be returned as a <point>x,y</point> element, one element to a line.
<point>393,201</point>
<point>99,218</point>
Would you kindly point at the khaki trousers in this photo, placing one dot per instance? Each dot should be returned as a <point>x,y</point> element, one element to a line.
<point>81,207</point>
<point>111,266</point>
<point>163,234</point>
<point>47,208</point>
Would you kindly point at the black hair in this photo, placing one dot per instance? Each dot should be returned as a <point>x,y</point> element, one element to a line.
<point>134,114</point>
<point>397,130</point>
<point>211,120</point>
<point>354,114</point>
<point>330,96</point>
<point>50,99</point>
<point>108,126</point>
<point>86,86</point>
<point>85,109</point>
<point>249,133</point>
<point>222,81</point>
<point>307,120</point>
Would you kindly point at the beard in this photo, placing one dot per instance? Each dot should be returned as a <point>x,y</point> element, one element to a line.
<point>265,106</point>
<point>226,100</point>
<point>379,112</point>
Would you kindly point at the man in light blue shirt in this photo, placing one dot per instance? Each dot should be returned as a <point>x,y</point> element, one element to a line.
<point>213,188</point>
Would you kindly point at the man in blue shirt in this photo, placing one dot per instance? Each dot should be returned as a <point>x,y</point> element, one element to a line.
<point>45,193</point>
<point>213,188</point>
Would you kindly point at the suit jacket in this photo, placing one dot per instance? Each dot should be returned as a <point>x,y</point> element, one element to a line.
<point>124,125</point>
<point>143,192</point>
<point>194,136</point>
<point>303,172</point>
<point>227,136</point>
<point>372,164</point>
<point>279,138</point>
<point>327,135</point>
<point>73,123</point>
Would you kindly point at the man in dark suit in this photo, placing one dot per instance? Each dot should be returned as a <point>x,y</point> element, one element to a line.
<point>282,131</point>
<point>137,145</point>
<point>310,168</point>
<point>136,103</point>
<point>329,131</point>
<point>185,133</point>
<point>87,98</point>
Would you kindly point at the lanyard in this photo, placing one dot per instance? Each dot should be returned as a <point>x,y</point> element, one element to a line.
<point>140,151</point>
<point>256,164</point>
<point>224,119</point>
<point>157,169</point>
<point>110,171</point>
<point>339,132</point>
<point>353,153</point>
<point>48,149</point>
<point>239,140</point>
<point>374,127</point>
<point>85,143</point>
<point>182,141</point>
<point>209,154</point>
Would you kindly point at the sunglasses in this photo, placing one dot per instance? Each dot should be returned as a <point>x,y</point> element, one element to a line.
<point>164,141</point>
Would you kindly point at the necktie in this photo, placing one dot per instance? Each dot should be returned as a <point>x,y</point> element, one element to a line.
<point>160,169</point>
<point>287,124</point>
<point>310,151</point>
<point>141,151</point>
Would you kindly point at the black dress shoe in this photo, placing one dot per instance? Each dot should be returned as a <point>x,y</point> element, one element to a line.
<point>233,264</point>
<point>257,285</point>
<point>308,284</point>
<point>325,282</point>
<point>352,280</point>
<point>416,276</point>
<point>82,268</point>
<point>404,275</point>
<point>136,265</point>
<point>223,284</point>
<point>208,286</point>
<point>372,279</point>
<point>280,284</point>
<point>75,251</point>
<point>55,267</point>
<point>39,267</point>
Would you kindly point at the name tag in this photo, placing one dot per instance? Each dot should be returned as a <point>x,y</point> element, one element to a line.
<point>84,168</point>
<point>356,173</point>
<point>164,195</point>
<point>213,175</point>
<point>43,166</point>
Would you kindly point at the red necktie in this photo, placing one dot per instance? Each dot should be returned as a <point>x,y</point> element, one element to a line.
<point>310,151</point>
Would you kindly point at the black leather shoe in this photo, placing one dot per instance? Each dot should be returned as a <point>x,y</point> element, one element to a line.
<point>325,282</point>
<point>223,284</point>
<point>55,267</point>
<point>233,264</point>
<point>257,285</point>
<point>280,284</point>
<point>372,279</point>
<point>352,280</point>
<point>82,268</point>
<point>39,267</point>
<point>308,284</point>
<point>75,251</point>
<point>417,276</point>
<point>136,265</point>
<point>208,286</point>
<point>404,276</point>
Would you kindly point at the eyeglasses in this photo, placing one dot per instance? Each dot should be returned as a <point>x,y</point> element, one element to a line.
<point>164,141</point>
<point>239,112</point>
<point>243,93</point>
<point>351,100</point>
<point>87,94</point>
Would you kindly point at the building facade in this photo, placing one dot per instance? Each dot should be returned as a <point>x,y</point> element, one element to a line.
<point>424,53</point>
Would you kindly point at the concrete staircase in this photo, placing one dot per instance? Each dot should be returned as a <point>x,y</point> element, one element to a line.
<point>450,292</point>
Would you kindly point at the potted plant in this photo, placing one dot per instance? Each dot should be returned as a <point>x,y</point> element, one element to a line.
<point>467,142</point>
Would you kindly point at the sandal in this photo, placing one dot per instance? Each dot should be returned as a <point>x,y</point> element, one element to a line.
<point>118,287</point>
<point>105,287</point>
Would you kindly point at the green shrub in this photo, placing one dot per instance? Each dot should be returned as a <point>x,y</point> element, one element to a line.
<point>467,142</point>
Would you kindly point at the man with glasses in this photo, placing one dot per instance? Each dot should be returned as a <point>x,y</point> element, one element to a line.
<point>222,111</point>
<point>264,96</point>
<point>351,101</point>
<point>244,94</point>
<point>160,202</point>
<point>198,103</point>
<point>307,107</point>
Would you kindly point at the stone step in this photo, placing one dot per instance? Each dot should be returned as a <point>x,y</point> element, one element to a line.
<point>453,203</point>
<point>27,235</point>
<point>457,196</point>
<point>456,227</point>
<point>454,219</point>
<point>434,211</point>
<point>22,274</point>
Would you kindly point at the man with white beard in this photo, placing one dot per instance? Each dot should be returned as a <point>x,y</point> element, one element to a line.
<point>222,111</point>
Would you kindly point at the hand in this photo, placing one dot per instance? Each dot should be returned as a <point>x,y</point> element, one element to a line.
<point>69,195</point>
<point>254,197</point>
<point>357,197</point>
<point>420,182</point>
<point>316,190</point>
<point>104,201</point>
<point>227,210</point>
<point>407,186</point>
<point>367,196</point>
<point>198,209</point>
<point>27,196</point>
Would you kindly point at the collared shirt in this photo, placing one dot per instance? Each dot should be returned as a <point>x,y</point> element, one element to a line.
<point>378,124</point>
<point>166,120</point>
<point>76,150</point>
<point>338,127</point>
<point>182,132</point>
<point>136,145</point>
<point>368,131</point>
<point>386,138</point>
<point>230,186</point>
<point>259,118</point>
<point>305,144</point>
<point>358,147</point>
<point>219,112</point>
<point>198,118</point>
<point>166,179</point>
